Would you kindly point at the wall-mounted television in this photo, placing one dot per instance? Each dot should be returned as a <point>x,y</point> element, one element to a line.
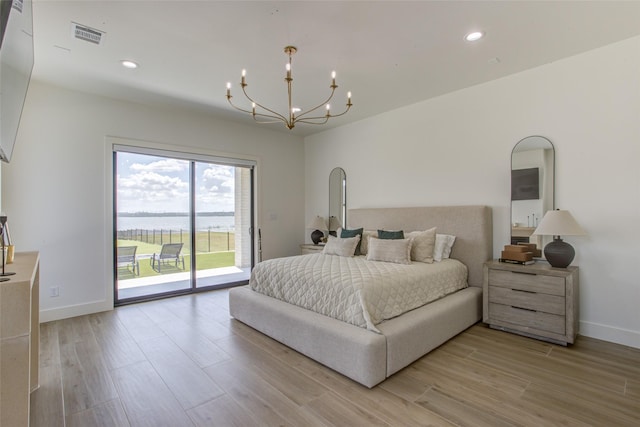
<point>16,64</point>
<point>525,184</point>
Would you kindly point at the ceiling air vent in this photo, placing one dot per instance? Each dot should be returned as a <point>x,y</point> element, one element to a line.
<point>87,34</point>
<point>17,5</point>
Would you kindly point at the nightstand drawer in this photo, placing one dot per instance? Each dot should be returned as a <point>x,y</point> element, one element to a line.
<point>535,300</point>
<point>538,283</point>
<point>546,303</point>
<point>532,319</point>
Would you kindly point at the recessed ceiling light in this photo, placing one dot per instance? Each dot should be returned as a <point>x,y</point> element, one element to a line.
<point>129,64</point>
<point>476,35</point>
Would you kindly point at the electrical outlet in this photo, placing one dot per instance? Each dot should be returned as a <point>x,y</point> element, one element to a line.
<point>54,291</point>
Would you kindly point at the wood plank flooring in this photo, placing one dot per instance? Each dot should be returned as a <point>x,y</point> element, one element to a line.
<point>184,362</point>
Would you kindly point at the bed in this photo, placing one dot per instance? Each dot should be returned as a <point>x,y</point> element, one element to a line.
<point>369,357</point>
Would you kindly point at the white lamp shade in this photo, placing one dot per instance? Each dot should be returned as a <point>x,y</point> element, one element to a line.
<point>559,223</point>
<point>334,223</point>
<point>317,223</point>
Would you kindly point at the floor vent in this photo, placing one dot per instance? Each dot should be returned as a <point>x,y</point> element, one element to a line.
<point>87,34</point>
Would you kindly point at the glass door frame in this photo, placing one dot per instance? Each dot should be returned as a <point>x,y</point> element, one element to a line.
<point>192,158</point>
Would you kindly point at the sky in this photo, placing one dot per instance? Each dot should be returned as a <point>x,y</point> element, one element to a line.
<point>159,184</point>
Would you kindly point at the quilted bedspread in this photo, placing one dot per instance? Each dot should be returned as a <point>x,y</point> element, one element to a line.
<point>354,290</point>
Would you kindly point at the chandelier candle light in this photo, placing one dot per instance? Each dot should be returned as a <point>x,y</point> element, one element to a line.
<point>291,118</point>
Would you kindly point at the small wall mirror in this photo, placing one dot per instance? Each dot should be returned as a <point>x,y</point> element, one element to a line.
<point>532,188</point>
<point>337,200</point>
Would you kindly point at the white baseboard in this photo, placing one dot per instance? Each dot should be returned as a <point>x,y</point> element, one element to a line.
<point>610,333</point>
<point>74,310</point>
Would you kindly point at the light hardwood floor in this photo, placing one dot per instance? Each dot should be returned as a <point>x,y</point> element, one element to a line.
<point>184,362</point>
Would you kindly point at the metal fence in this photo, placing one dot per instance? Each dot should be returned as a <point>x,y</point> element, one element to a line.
<point>206,240</point>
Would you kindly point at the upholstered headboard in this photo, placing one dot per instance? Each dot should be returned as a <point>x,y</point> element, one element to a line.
<point>472,226</point>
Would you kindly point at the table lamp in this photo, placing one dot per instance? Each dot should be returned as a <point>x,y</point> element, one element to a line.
<point>317,224</point>
<point>556,223</point>
<point>334,225</point>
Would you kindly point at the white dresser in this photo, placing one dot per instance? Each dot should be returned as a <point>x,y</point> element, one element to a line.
<point>19,339</point>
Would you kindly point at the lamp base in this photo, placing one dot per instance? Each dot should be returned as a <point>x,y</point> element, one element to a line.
<point>559,253</point>
<point>8,273</point>
<point>316,236</point>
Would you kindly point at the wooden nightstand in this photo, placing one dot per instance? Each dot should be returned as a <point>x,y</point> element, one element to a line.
<point>310,248</point>
<point>537,300</point>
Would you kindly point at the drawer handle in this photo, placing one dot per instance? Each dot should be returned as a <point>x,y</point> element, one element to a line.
<point>525,309</point>
<point>524,272</point>
<point>522,290</point>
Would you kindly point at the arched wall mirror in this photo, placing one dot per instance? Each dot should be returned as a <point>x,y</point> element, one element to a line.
<point>337,200</point>
<point>532,188</point>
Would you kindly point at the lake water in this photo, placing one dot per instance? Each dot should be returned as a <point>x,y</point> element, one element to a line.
<point>217,223</point>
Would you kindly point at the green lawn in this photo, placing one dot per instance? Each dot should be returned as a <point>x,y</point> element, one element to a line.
<point>205,261</point>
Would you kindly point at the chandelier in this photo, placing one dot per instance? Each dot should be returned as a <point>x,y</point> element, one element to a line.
<point>262,114</point>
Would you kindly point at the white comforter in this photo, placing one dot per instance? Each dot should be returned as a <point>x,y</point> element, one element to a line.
<point>354,290</point>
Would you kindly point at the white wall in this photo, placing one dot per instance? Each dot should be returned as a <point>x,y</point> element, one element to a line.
<point>55,190</point>
<point>456,149</point>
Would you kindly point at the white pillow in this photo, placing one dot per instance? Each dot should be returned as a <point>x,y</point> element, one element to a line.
<point>423,245</point>
<point>364,246</point>
<point>341,247</point>
<point>389,250</point>
<point>442,249</point>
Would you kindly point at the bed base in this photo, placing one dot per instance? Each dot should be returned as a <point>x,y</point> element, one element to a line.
<point>362,355</point>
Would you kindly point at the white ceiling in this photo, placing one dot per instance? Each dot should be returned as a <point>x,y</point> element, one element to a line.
<point>388,54</point>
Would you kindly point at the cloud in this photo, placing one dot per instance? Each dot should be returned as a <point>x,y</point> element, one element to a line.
<point>218,179</point>
<point>152,188</point>
<point>165,165</point>
<point>163,186</point>
<point>216,190</point>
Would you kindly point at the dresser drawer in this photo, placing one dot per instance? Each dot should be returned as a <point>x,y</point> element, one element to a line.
<point>546,303</point>
<point>527,318</point>
<point>538,283</point>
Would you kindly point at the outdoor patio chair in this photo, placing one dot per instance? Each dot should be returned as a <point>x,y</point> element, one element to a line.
<point>126,258</point>
<point>169,254</point>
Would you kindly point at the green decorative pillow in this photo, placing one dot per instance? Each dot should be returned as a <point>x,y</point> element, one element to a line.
<point>346,233</point>
<point>385,234</point>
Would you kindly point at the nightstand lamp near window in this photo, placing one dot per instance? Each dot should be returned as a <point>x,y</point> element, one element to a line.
<point>317,224</point>
<point>334,225</point>
<point>559,223</point>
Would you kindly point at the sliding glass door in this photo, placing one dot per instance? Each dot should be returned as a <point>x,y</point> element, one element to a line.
<point>223,219</point>
<point>182,223</point>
